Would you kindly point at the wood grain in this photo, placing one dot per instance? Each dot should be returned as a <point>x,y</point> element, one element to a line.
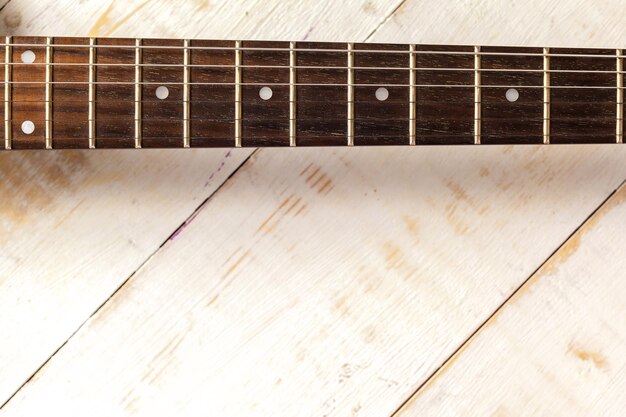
<point>73,225</point>
<point>580,92</point>
<point>558,342</point>
<point>319,282</point>
<point>264,297</point>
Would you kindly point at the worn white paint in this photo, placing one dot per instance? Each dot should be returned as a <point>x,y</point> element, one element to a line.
<point>313,282</point>
<point>75,225</point>
<point>317,281</point>
<point>558,348</point>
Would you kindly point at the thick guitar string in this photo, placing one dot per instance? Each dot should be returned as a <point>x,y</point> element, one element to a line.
<point>278,84</point>
<point>307,67</point>
<point>322,50</point>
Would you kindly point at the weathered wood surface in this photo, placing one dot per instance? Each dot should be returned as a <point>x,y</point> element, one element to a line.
<point>556,348</point>
<point>322,281</point>
<point>75,225</point>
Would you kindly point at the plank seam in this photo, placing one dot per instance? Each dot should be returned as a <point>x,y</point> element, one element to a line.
<point>459,350</point>
<point>188,220</point>
<point>145,262</point>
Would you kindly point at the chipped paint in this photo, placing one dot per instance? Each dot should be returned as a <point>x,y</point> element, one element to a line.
<point>550,267</point>
<point>306,169</point>
<point>596,358</point>
<point>411,225</point>
<point>105,25</point>
<point>300,210</point>
<point>460,227</point>
<point>394,258</point>
<point>236,264</point>
<point>312,175</point>
<point>326,187</point>
<point>30,182</point>
<point>264,225</point>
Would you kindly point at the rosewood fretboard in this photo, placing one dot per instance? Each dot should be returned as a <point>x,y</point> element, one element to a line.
<point>130,93</point>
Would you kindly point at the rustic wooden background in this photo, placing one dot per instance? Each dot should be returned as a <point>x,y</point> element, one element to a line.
<point>316,282</point>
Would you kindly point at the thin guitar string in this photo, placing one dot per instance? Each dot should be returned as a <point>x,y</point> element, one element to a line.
<point>301,67</point>
<point>321,50</point>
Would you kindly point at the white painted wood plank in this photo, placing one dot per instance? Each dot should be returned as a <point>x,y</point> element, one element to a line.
<point>75,225</point>
<point>342,306</point>
<point>493,22</point>
<point>558,347</point>
<point>325,282</point>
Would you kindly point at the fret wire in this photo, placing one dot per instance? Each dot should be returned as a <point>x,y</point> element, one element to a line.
<point>186,96</point>
<point>350,110</point>
<point>92,94</point>
<point>379,51</point>
<point>238,77</point>
<point>48,124</point>
<point>292,94</point>
<point>7,94</point>
<point>138,94</point>
<point>412,96</point>
<point>619,123</point>
<point>477,97</point>
<point>546,96</point>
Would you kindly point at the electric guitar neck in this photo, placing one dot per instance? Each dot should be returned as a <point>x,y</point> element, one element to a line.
<point>75,93</point>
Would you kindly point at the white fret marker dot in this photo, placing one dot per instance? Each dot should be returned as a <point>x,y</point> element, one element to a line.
<point>265,93</point>
<point>28,57</point>
<point>162,92</point>
<point>382,94</point>
<point>28,127</point>
<point>512,95</point>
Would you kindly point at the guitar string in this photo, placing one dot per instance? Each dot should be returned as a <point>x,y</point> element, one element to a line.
<point>132,46</point>
<point>279,84</point>
<point>231,120</point>
<point>307,67</point>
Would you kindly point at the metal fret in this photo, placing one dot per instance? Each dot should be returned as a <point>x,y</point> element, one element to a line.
<point>138,98</point>
<point>238,78</point>
<point>546,95</point>
<point>186,96</point>
<point>92,94</point>
<point>477,96</point>
<point>619,123</point>
<point>292,94</point>
<point>48,117</point>
<point>350,129</point>
<point>7,93</point>
<point>412,95</point>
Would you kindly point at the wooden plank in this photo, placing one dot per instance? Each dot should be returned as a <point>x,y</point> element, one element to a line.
<point>75,225</point>
<point>341,289</point>
<point>558,343</point>
<point>312,283</point>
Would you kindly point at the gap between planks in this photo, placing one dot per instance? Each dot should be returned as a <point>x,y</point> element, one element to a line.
<point>130,276</point>
<point>525,283</point>
<point>182,225</point>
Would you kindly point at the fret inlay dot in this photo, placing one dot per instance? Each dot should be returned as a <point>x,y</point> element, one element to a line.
<point>382,94</point>
<point>162,92</point>
<point>512,95</point>
<point>28,127</point>
<point>265,93</point>
<point>28,57</point>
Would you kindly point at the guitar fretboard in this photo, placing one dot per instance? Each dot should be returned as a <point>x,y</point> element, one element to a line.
<point>132,93</point>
